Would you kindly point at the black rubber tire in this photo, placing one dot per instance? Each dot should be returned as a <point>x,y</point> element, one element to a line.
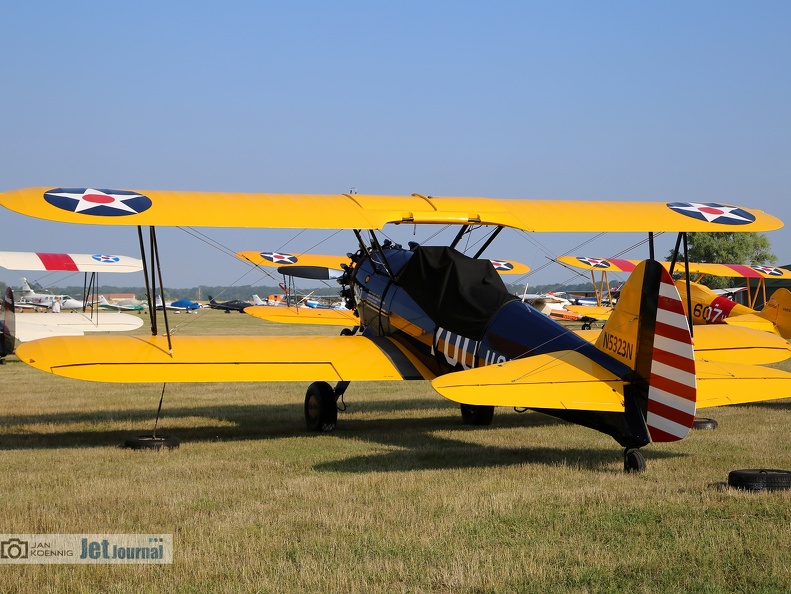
<point>704,423</point>
<point>633,461</point>
<point>480,415</point>
<point>321,410</point>
<point>149,442</point>
<point>760,479</point>
<point>347,332</point>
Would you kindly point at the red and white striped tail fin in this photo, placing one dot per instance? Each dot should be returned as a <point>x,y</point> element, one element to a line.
<point>672,384</point>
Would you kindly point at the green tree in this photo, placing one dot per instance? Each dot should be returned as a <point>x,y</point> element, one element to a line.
<point>728,248</point>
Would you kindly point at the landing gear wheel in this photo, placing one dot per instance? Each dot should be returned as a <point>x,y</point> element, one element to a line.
<point>347,332</point>
<point>586,326</point>
<point>704,423</point>
<point>760,479</point>
<point>633,461</point>
<point>477,414</point>
<point>321,412</point>
<point>151,442</point>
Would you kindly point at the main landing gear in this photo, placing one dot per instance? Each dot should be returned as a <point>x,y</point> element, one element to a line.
<point>477,414</point>
<point>633,460</point>
<point>321,410</point>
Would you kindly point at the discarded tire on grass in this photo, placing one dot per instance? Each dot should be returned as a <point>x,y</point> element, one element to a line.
<point>760,479</point>
<point>151,442</point>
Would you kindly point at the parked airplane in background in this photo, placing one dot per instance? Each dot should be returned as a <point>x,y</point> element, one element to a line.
<point>229,306</point>
<point>7,326</point>
<point>51,262</point>
<point>185,305</point>
<point>434,313</point>
<point>30,299</point>
<point>121,304</point>
<point>707,306</point>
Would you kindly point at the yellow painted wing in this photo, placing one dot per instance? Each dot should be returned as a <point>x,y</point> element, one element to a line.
<point>721,384</point>
<point>562,380</point>
<point>751,320</point>
<point>600,264</point>
<point>735,270</point>
<point>304,315</point>
<point>221,358</point>
<point>281,259</point>
<point>601,313</point>
<point>728,344</point>
<point>357,211</point>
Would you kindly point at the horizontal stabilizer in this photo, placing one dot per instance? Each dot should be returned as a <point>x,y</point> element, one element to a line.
<point>722,384</point>
<point>561,380</point>
<point>221,358</point>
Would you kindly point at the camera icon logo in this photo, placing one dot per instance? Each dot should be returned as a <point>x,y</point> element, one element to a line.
<point>13,548</point>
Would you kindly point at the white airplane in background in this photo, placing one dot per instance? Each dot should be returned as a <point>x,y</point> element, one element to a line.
<point>30,299</point>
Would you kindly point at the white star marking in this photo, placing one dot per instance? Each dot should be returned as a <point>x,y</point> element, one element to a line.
<point>91,198</point>
<point>712,213</point>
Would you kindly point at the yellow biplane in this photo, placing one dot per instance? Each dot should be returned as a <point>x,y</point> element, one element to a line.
<point>433,313</point>
<point>706,306</point>
<point>322,267</point>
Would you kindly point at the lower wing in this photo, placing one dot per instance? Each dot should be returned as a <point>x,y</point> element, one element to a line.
<point>304,315</point>
<point>222,358</point>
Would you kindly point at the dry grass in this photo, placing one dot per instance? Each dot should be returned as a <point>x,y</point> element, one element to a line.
<point>402,498</point>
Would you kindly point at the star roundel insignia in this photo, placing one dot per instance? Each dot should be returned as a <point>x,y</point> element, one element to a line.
<point>595,262</point>
<point>713,212</point>
<point>770,270</point>
<point>279,258</point>
<point>104,258</point>
<point>100,203</point>
<point>502,265</point>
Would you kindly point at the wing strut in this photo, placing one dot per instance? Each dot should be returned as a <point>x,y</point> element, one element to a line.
<point>488,242</point>
<point>151,282</point>
<point>682,238</point>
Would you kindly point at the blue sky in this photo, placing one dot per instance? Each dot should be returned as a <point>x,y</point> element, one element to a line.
<point>554,100</point>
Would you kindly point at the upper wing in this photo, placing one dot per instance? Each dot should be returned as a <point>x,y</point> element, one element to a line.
<point>283,259</point>
<point>600,264</point>
<point>69,262</point>
<point>356,211</point>
<point>222,358</point>
<point>735,270</point>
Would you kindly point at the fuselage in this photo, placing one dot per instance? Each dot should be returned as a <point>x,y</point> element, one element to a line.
<point>510,329</point>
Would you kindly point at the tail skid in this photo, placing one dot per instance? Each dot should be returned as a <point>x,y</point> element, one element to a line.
<point>648,331</point>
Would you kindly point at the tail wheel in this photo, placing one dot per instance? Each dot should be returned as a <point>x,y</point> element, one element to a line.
<point>321,412</point>
<point>477,414</point>
<point>633,461</point>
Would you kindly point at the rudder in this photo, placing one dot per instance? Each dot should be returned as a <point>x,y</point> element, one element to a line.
<point>649,332</point>
<point>778,311</point>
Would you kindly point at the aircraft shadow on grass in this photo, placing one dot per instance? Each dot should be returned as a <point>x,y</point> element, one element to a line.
<point>418,448</point>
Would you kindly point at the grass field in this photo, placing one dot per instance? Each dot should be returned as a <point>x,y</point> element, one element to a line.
<point>401,498</point>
